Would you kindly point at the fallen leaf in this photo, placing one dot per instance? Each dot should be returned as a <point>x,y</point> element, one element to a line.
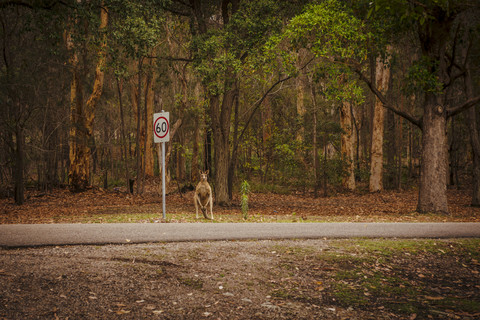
<point>121,311</point>
<point>434,298</point>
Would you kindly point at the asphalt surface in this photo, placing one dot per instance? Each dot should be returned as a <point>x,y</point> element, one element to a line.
<point>33,235</point>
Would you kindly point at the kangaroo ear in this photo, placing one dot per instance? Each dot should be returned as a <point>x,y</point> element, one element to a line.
<point>206,172</point>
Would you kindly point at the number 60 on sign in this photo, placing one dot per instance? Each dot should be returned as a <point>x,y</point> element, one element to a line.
<point>161,127</point>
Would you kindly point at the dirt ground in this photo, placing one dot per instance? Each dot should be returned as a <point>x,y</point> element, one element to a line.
<point>97,205</point>
<point>313,279</point>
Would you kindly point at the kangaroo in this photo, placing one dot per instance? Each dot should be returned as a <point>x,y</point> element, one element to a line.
<point>203,196</point>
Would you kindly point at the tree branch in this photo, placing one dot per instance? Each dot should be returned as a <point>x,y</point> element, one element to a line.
<point>47,5</point>
<point>468,104</point>
<point>259,102</point>
<point>170,58</point>
<point>385,103</point>
<point>179,11</point>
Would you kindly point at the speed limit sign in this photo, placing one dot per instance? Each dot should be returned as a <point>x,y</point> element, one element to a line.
<point>161,133</point>
<point>161,127</point>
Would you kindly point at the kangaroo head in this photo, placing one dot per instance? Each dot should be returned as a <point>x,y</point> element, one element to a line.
<point>203,175</point>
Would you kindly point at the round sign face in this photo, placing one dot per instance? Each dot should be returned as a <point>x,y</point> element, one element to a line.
<point>161,127</point>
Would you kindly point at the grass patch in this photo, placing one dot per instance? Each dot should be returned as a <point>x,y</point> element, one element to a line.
<point>425,277</point>
<point>156,217</point>
<point>191,282</point>
<point>347,296</point>
<point>391,247</point>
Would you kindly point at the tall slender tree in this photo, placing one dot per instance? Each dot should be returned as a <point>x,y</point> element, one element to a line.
<point>82,114</point>
<point>382,76</point>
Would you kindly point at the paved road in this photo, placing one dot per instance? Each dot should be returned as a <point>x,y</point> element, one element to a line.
<point>31,235</point>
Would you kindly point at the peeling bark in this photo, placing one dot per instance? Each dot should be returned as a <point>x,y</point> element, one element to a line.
<point>382,75</point>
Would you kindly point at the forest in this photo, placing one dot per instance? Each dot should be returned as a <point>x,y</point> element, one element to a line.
<point>319,96</point>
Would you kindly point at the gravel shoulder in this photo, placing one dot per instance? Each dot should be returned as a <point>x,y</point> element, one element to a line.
<point>282,279</point>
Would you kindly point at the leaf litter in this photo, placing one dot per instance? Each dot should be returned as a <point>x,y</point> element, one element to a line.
<point>103,206</point>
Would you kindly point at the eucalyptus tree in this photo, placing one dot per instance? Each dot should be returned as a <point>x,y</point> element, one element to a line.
<point>226,34</point>
<point>433,74</point>
<point>333,32</point>
<point>136,33</point>
<point>85,29</point>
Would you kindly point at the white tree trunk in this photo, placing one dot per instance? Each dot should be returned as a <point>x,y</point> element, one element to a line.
<point>348,145</point>
<point>382,75</point>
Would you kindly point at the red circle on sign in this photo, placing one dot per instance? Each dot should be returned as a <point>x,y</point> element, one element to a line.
<point>162,132</point>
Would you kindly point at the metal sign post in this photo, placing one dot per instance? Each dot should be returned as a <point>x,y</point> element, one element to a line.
<point>163,181</point>
<point>161,130</point>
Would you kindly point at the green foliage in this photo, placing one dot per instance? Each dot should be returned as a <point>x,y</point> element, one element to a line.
<point>137,29</point>
<point>403,15</point>
<point>330,31</point>
<point>422,77</point>
<point>222,52</point>
<point>334,170</point>
<point>339,83</point>
<point>244,191</point>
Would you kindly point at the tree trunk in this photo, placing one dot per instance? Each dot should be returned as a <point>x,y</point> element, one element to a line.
<point>124,139</point>
<point>195,175</point>
<point>389,145</point>
<point>221,144</point>
<point>316,162</point>
<point>434,163</point>
<point>19,165</point>
<point>474,137</point>
<point>434,166</point>
<point>222,155</point>
<point>138,149</point>
<point>149,99</point>
<point>347,146</point>
<point>475,141</point>
<point>382,75</point>
<point>233,161</point>
<point>301,110</point>
<point>81,131</point>
<point>399,148</point>
<point>77,173</point>
<point>207,154</point>
<point>221,118</point>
